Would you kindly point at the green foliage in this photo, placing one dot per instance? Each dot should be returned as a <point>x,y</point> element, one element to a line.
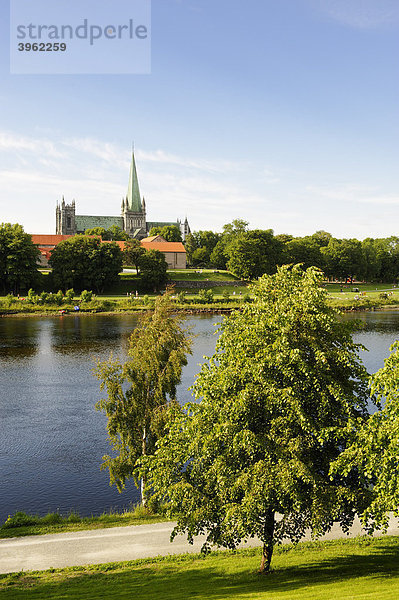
<point>114,233</point>
<point>86,296</point>
<point>277,404</point>
<point>205,296</point>
<point>344,258</point>
<point>132,253</point>
<point>18,258</point>
<point>199,247</point>
<point>181,296</point>
<point>253,254</point>
<point>69,296</point>
<point>157,352</point>
<point>85,263</point>
<point>20,519</point>
<point>153,269</point>
<point>376,448</point>
<point>171,233</point>
<point>51,519</point>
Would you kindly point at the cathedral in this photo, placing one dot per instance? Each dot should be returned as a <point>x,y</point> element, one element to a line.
<point>132,219</point>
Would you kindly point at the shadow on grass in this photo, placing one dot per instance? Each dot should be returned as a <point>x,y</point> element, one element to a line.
<point>222,577</point>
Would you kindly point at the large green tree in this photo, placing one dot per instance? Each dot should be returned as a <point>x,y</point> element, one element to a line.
<point>132,253</point>
<point>84,262</point>
<point>375,451</point>
<point>199,246</point>
<point>153,269</point>
<point>254,253</point>
<point>344,258</point>
<point>18,258</point>
<point>140,390</point>
<point>277,403</point>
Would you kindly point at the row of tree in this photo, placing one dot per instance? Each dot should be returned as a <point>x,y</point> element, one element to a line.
<point>252,253</point>
<point>280,425</point>
<point>80,262</point>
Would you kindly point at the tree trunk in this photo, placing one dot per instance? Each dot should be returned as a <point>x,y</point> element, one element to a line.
<point>143,482</point>
<point>267,550</point>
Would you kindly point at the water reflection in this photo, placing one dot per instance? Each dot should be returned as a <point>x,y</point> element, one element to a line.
<point>51,439</point>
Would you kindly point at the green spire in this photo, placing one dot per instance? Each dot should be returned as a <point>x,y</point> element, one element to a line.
<point>133,192</point>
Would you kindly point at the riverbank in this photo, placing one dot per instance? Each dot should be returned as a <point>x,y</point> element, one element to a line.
<point>120,306</point>
<point>22,524</point>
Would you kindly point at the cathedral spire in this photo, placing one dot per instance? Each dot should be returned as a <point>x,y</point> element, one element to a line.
<point>133,192</point>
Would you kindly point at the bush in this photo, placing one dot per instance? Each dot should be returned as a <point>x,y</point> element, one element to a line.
<point>181,296</point>
<point>140,511</point>
<point>226,294</point>
<point>205,296</point>
<point>59,298</point>
<point>10,299</point>
<point>74,518</point>
<point>51,519</point>
<point>69,296</point>
<point>32,297</point>
<point>20,519</point>
<point>86,296</point>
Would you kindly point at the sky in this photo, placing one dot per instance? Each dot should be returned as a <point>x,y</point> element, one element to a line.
<point>284,113</point>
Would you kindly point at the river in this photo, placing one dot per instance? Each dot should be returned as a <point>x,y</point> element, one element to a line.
<point>52,439</point>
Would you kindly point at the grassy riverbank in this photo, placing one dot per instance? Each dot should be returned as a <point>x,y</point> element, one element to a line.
<point>22,524</point>
<point>356,569</point>
<point>222,297</point>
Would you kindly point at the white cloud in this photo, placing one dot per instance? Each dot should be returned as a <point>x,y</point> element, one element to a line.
<point>355,193</point>
<point>95,174</point>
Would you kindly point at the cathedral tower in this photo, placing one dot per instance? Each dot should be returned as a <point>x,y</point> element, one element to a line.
<point>133,209</point>
<point>65,218</point>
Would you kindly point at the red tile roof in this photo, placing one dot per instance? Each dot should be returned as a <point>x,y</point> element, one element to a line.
<point>48,239</point>
<point>164,246</point>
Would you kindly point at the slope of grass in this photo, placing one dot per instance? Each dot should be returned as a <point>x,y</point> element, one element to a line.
<point>55,523</point>
<point>357,569</point>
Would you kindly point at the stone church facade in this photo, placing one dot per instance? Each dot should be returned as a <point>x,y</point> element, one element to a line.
<point>132,220</point>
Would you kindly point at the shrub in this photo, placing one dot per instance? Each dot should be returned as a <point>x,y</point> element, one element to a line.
<point>86,296</point>
<point>226,294</point>
<point>205,296</point>
<point>59,297</point>
<point>181,296</point>
<point>10,299</point>
<point>140,511</point>
<point>69,296</point>
<point>74,518</point>
<point>32,297</point>
<point>20,519</point>
<point>51,519</point>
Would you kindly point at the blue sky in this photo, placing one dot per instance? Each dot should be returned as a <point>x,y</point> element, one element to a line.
<point>281,112</point>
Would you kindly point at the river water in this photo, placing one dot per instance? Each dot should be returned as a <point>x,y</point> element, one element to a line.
<point>52,439</point>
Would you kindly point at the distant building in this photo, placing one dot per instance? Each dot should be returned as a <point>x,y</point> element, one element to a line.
<point>132,219</point>
<point>174,252</point>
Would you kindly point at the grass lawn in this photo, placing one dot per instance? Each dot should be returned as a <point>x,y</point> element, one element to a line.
<point>201,275</point>
<point>344,570</point>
